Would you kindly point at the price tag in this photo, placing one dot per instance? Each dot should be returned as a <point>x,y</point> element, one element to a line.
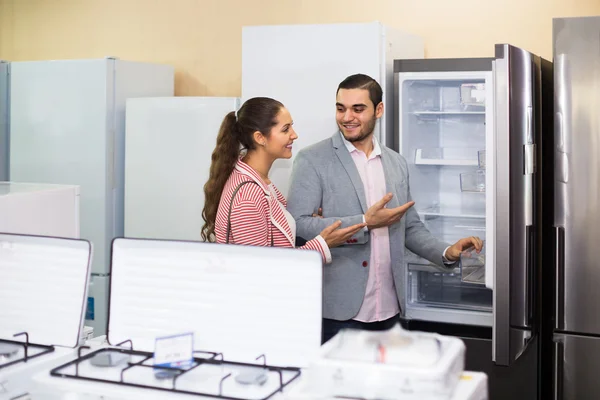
<point>174,351</point>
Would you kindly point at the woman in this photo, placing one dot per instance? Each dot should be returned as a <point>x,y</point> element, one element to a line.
<point>241,204</point>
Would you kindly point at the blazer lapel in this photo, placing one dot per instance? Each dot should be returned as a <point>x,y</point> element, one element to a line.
<point>348,163</point>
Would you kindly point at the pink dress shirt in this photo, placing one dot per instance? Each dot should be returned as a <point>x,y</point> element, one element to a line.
<point>380,301</point>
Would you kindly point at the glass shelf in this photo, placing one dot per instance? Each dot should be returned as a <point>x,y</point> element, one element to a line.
<point>449,211</point>
<point>424,112</point>
<point>450,156</point>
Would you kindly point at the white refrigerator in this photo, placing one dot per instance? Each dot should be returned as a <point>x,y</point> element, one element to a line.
<point>39,209</point>
<point>302,65</point>
<point>4,119</point>
<point>68,127</point>
<point>169,143</point>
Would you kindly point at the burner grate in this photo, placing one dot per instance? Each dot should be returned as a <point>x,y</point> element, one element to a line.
<point>9,349</point>
<point>251,377</point>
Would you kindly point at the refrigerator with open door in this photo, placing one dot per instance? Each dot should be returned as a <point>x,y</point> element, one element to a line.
<point>470,130</point>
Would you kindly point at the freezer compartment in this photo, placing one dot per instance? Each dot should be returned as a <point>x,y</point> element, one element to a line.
<point>429,286</point>
<point>461,287</point>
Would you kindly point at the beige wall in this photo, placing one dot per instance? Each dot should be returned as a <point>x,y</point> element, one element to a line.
<point>202,38</point>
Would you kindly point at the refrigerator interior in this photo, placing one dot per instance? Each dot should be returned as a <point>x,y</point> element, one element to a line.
<point>4,120</point>
<point>445,122</point>
<point>164,200</point>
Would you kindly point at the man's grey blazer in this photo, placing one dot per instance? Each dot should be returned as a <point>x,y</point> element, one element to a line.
<point>324,175</point>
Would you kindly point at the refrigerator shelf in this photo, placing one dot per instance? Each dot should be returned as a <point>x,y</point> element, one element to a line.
<point>471,270</point>
<point>448,112</point>
<point>448,156</point>
<point>431,268</point>
<point>451,212</point>
<point>451,230</point>
<point>436,116</point>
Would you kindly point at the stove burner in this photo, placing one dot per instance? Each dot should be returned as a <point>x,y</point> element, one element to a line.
<point>166,373</point>
<point>8,350</point>
<point>255,377</point>
<point>108,359</point>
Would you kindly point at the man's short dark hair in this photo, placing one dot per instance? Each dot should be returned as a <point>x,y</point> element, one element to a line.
<point>362,81</point>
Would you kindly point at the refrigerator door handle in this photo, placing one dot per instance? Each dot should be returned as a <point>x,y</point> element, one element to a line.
<point>529,169</point>
<point>530,254</point>
<point>559,352</point>
<point>560,275</point>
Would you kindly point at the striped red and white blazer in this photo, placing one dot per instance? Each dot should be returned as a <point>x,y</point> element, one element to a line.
<point>255,215</point>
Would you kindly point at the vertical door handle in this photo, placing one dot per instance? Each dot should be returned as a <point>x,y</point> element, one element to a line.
<point>560,274</point>
<point>559,352</point>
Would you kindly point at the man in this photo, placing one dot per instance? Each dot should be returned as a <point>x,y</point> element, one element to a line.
<point>354,179</point>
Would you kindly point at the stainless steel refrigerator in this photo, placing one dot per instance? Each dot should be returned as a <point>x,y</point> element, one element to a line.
<point>472,133</point>
<point>577,207</point>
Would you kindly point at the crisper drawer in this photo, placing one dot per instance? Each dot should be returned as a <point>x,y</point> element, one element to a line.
<point>437,295</point>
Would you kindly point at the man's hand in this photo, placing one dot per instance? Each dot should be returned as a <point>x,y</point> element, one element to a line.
<point>335,236</point>
<point>453,252</point>
<point>378,216</point>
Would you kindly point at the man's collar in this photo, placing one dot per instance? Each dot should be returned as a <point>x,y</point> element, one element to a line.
<point>376,148</point>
